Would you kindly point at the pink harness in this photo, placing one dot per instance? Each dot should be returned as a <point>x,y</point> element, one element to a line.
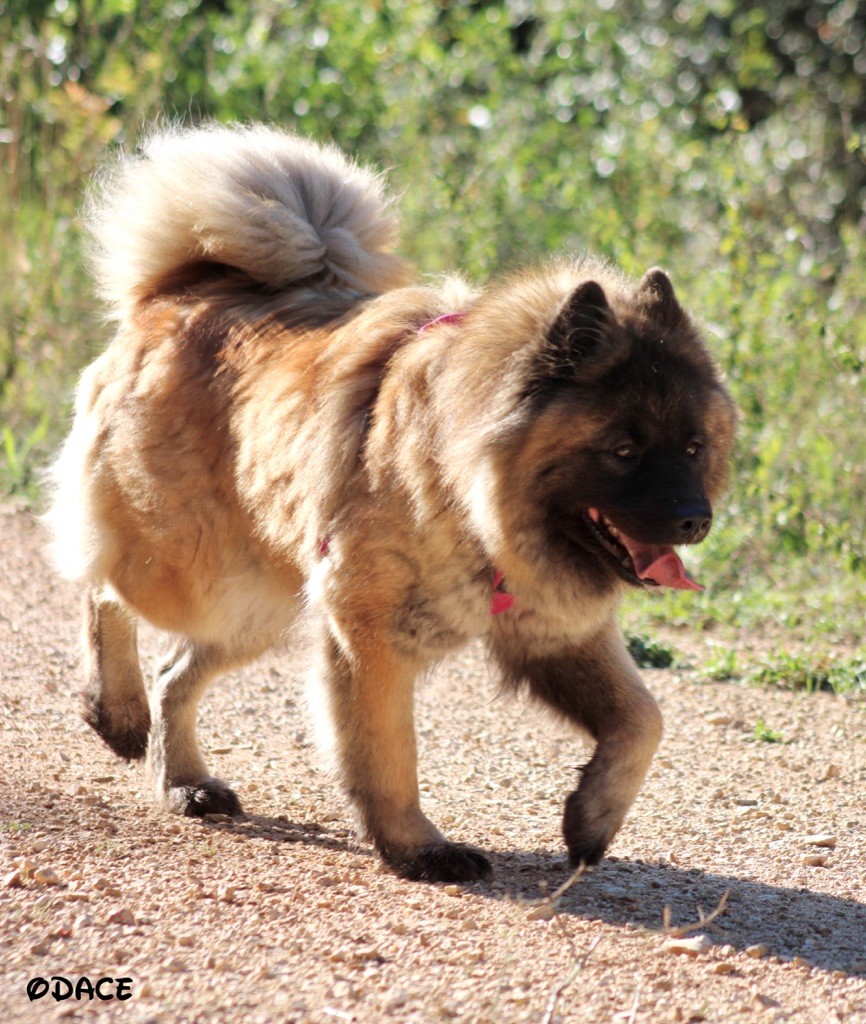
<point>500,599</point>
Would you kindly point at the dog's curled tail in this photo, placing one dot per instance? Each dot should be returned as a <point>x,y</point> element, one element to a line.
<point>278,207</point>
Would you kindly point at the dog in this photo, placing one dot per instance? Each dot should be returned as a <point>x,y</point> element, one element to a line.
<point>287,421</point>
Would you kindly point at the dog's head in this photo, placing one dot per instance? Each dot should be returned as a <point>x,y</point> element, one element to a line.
<point>625,437</point>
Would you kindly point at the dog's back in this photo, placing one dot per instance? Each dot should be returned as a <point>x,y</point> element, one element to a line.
<point>221,252</point>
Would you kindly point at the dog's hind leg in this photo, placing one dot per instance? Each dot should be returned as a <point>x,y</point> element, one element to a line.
<point>114,698</point>
<point>175,764</point>
<point>597,687</point>
<point>371,701</point>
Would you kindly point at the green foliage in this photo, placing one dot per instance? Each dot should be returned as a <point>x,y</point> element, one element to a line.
<point>722,668</point>
<point>788,671</point>
<point>648,653</point>
<point>14,826</point>
<point>723,141</point>
<point>763,734</point>
<point>802,672</point>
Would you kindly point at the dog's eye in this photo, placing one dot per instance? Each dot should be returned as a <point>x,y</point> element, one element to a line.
<point>693,449</point>
<point>626,452</point>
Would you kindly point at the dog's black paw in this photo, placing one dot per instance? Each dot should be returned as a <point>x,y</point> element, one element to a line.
<point>127,733</point>
<point>585,840</point>
<point>208,797</point>
<point>442,862</point>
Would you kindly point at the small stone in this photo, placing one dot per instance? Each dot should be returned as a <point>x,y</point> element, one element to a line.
<point>691,946</point>
<point>543,912</point>
<point>145,991</point>
<point>83,921</point>
<point>801,961</point>
<point>814,860</point>
<point>723,967</point>
<point>40,949</point>
<point>746,802</point>
<point>76,897</point>
<point>46,876</point>
<point>763,1002</point>
<point>176,965</point>
<point>395,998</point>
<point>13,880</point>
<point>122,916</point>
<point>757,951</point>
<point>833,772</point>
<point>39,846</point>
<point>227,893</point>
<point>452,890</point>
<point>718,719</point>
<point>821,839</point>
<point>62,931</point>
<point>218,818</point>
<point>186,940</point>
<point>25,866</point>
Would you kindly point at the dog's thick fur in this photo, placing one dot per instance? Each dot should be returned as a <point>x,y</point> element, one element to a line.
<point>272,427</point>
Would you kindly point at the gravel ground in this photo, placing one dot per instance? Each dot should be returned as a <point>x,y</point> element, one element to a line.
<point>283,916</point>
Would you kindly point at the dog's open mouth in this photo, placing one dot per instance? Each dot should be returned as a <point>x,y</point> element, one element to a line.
<point>656,564</point>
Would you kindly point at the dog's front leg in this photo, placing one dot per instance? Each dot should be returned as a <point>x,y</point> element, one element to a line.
<point>371,697</point>
<point>597,687</point>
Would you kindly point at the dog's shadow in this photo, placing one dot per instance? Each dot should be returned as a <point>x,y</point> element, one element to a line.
<point>828,932</point>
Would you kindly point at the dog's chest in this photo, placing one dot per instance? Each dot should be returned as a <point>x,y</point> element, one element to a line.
<point>442,610</point>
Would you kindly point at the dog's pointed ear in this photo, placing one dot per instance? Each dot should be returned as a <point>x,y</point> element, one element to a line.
<point>658,298</point>
<point>574,338</point>
<point>576,329</point>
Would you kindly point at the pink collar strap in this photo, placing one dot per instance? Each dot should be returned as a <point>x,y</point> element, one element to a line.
<point>446,318</point>
<point>500,599</point>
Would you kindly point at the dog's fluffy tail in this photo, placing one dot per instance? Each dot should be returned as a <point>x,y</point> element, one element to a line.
<point>278,207</point>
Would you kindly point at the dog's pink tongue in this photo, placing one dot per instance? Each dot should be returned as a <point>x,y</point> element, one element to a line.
<point>659,563</point>
<point>656,562</point>
<point>662,565</point>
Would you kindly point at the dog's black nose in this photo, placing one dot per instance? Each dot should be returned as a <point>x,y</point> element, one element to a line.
<point>693,521</point>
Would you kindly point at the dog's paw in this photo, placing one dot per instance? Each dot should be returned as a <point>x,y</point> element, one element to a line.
<point>210,796</point>
<point>441,862</point>
<point>586,837</point>
<point>125,732</point>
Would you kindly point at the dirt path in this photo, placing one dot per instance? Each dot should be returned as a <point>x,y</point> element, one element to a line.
<point>283,917</point>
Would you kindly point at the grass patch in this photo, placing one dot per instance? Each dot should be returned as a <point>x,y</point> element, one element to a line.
<point>786,671</point>
<point>14,827</point>
<point>810,673</point>
<point>764,734</point>
<point>648,653</point>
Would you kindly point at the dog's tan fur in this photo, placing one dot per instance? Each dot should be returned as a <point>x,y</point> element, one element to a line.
<point>269,429</point>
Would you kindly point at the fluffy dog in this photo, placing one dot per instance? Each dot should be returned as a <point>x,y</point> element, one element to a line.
<point>285,420</point>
